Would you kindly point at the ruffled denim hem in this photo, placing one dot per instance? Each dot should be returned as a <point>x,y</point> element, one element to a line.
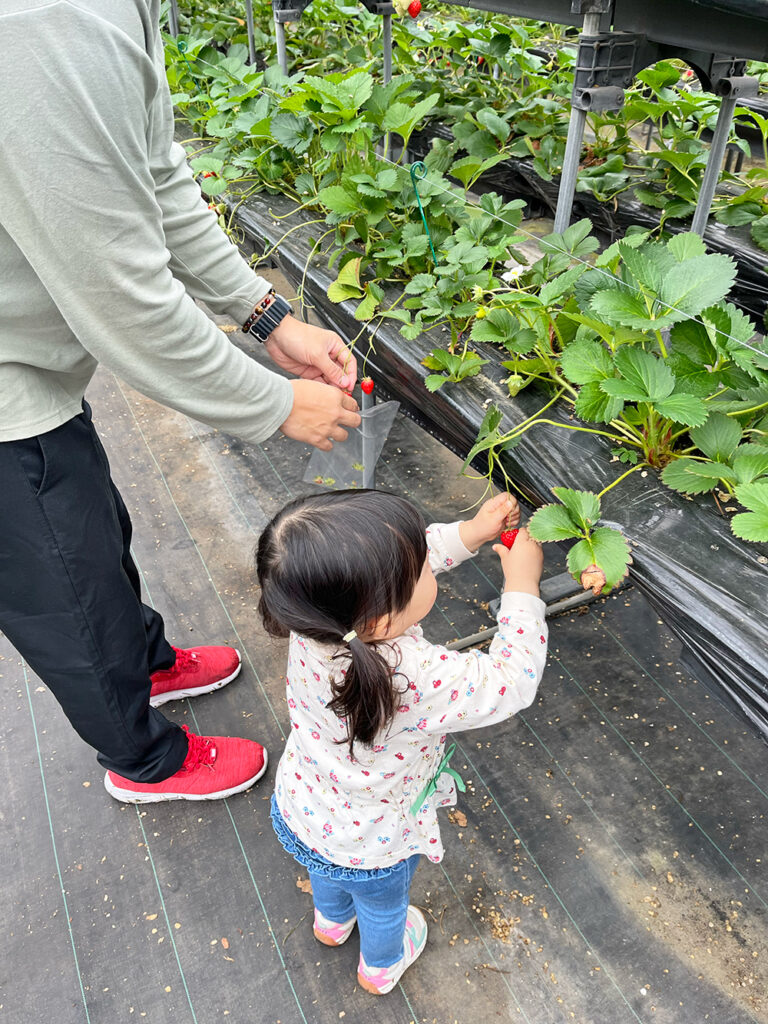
<point>312,860</point>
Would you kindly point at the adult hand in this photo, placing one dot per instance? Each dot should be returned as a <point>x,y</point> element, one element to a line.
<point>312,353</point>
<point>319,414</point>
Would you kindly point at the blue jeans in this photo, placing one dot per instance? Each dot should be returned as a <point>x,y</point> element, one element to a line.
<point>381,905</point>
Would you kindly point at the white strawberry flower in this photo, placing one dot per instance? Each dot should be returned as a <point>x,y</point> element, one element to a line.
<point>512,275</point>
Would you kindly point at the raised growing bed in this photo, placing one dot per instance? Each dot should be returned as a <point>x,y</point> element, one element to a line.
<point>515,178</point>
<point>708,585</point>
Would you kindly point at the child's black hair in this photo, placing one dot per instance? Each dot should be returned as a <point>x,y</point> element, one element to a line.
<point>332,563</point>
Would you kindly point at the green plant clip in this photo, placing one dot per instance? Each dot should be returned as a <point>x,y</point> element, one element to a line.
<point>419,170</point>
<point>181,46</point>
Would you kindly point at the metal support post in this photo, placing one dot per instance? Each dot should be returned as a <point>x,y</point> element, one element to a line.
<point>369,467</point>
<point>573,146</point>
<point>173,18</point>
<point>714,163</point>
<point>282,56</point>
<point>386,44</point>
<point>251,34</point>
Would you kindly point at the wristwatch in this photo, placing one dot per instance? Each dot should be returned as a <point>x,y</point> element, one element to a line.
<point>270,311</point>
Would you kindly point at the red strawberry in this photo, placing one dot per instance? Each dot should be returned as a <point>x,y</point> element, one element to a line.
<point>366,384</point>
<point>414,8</point>
<point>508,537</point>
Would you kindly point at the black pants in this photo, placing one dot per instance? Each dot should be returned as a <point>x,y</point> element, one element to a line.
<point>70,599</point>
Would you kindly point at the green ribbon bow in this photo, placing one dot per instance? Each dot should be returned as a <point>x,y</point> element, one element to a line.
<point>431,786</point>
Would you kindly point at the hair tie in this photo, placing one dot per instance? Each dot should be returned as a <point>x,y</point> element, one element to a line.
<point>350,636</point>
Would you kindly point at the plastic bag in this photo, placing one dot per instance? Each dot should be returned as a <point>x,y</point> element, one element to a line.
<point>345,464</point>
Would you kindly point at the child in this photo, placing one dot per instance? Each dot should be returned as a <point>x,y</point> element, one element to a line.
<point>348,575</point>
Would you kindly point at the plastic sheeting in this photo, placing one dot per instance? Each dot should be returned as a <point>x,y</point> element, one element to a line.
<point>709,587</point>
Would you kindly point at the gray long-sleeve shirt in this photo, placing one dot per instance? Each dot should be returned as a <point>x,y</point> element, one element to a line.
<point>104,237</point>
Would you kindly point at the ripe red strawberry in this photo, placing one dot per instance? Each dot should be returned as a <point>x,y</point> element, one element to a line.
<point>508,537</point>
<point>366,383</point>
<point>414,8</point>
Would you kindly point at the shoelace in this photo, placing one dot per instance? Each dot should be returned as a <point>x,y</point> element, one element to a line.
<point>201,751</point>
<point>185,660</point>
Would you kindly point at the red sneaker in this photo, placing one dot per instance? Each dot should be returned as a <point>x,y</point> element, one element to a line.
<point>197,670</point>
<point>215,767</point>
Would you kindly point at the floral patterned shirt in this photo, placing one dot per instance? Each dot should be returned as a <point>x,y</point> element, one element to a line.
<point>357,812</point>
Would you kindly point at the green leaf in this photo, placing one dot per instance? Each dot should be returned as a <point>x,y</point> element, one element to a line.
<point>595,406</point>
<point>701,281</point>
<point>204,164</point>
<point>645,371</point>
<point>752,525</point>
<point>491,422</point>
<point>433,381</point>
<point>559,285</point>
<point>553,522</point>
<point>585,360</point>
<point>648,264</point>
<point>682,407</point>
<point>605,548</point>
<point>619,305</point>
<point>292,131</point>
<point>402,118</point>
<point>373,296</point>
<point>489,119</point>
<point>347,284</point>
<point>737,214</point>
<point>759,232</point>
<point>689,476</point>
<point>618,388</point>
<point>750,465</point>
<point>754,495</point>
<point>442,359</point>
<point>419,284</point>
<point>497,326</point>
<point>686,245</point>
<point>583,506</point>
<point>469,168</point>
<point>338,200</point>
<point>522,343</point>
<point>718,438</point>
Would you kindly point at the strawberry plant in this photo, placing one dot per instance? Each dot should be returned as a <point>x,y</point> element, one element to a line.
<point>600,557</point>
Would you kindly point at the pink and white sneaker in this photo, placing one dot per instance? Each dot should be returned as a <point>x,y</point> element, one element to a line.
<point>330,933</point>
<point>197,670</point>
<point>380,980</point>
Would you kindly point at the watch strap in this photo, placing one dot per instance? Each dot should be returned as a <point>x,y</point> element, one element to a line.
<point>267,314</point>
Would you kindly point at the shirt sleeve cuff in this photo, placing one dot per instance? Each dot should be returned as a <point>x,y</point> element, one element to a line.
<point>518,600</point>
<point>241,308</point>
<point>454,545</point>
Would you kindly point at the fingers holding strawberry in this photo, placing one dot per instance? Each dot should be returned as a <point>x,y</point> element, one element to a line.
<point>493,515</point>
<point>522,564</point>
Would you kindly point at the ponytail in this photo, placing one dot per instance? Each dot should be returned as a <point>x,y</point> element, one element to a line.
<point>364,696</point>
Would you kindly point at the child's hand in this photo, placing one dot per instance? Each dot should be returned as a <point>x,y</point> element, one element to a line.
<point>495,515</point>
<point>522,564</point>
